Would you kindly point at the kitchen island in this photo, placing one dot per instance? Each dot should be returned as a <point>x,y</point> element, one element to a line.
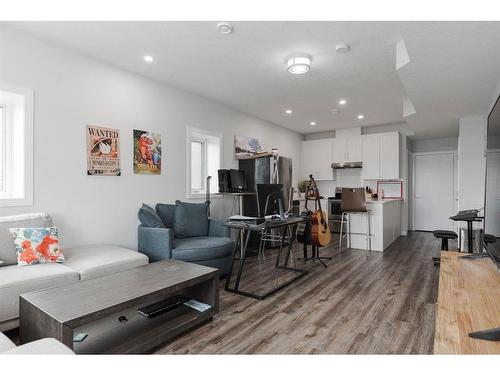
<point>385,222</point>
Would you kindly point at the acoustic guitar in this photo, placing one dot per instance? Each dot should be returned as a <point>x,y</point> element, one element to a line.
<point>316,232</point>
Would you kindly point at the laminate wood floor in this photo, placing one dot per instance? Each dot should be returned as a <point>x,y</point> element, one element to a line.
<point>382,304</point>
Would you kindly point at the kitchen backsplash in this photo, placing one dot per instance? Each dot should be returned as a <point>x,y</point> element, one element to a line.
<point>345,178</point>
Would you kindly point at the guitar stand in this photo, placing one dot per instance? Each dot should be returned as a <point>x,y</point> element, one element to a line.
<point>315,255</point>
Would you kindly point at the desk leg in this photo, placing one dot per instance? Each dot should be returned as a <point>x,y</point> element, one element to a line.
<point>242,230</point>
<point>469,236</point>
<point>290,246</point>
<point>236,245</point>
<point>242,261</point>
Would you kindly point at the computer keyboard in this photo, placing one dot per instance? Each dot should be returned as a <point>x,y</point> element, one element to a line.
<point>161,307</point>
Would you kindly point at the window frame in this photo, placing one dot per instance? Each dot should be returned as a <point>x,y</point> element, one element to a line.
<point>193,134</point>
<point>20,193</point>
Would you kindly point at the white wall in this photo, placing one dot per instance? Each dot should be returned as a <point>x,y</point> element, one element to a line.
<point>72,91</point>
<point>471,162</point>
<point>433,145</point>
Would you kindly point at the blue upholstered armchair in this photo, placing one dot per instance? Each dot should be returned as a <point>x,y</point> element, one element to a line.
<point>183,232</point>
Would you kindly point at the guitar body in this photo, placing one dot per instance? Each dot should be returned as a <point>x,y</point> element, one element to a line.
<point>315,231</point>
<point>320,232</point>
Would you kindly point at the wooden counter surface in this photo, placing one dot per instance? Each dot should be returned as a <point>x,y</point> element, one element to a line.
<point>468,301</point>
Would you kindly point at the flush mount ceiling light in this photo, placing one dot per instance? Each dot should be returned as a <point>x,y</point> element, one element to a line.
<point>342,48</point>
<point>299,63</point>
<point>361,117</point>
<point>342,101</point>
<point>288,112</point>
<point>148,59</point>
<point>312,123</point>
<point>225,28</point>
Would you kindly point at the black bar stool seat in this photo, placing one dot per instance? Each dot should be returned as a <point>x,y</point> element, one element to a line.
<point>445,235</point>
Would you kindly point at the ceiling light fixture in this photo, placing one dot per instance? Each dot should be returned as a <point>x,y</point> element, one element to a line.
<point>342,101</point>
<point>288,111</point>
<point>225,28</point>
<point>148,59</point>
<point>299,64</point>
<point>361,117</point>
<point>312,123</point>
<point>342,48</point>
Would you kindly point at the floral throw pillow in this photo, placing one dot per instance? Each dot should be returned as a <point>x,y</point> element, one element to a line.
<point>37,245</point>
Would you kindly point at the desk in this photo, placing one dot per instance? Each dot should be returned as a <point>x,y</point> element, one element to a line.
<point>244,229</point>
<point>468,301</point>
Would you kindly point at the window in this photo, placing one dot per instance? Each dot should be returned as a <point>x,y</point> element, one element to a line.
<point>16,146</point>
<point>204,159</point>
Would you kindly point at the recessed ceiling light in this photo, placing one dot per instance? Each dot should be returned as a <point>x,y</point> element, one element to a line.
<point>361,117</point>
<point>342,101</point>
<point>299,64</point>
<point>342,48</point>
<point>225,28</point>
<point>288,111</point>
<point>334,111</point>
<point>148,58</point>
<point>312,123</point>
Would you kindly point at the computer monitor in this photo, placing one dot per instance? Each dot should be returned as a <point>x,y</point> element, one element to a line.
<point>269,198</point>
<point>238,180</point>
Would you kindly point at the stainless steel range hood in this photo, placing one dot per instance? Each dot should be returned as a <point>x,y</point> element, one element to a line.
<point>346,165</point>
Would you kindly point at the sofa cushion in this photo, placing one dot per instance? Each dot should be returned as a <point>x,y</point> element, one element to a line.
<point>16,280</point>
<point>167,213</point>
<point>191,219</point>
<point>5,343</point>
<point>202,248</point>
<point>42,346</point>
<point>99,260</point>
<point>149,218</point>
<point>7,249</point>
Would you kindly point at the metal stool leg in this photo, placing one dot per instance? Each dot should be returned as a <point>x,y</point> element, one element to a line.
<point>341,231</point>
<point>368,234</point>
<point>349,243</point>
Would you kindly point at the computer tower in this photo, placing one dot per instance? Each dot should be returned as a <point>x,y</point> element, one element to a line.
<point>224,181</point>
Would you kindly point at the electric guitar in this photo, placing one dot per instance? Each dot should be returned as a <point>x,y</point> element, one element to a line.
<point>317,231</point>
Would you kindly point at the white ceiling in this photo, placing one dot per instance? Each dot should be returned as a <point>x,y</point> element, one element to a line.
<point>453,71</point>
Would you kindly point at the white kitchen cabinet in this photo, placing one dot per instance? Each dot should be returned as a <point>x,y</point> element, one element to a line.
<point>317,159</point>
<point>371,157</point>
<point>389,156</point>
<point>346,150</point>
<point>380,156</point>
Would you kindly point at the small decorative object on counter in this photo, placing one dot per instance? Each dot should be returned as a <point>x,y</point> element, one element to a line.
<point>302,185</point>
<point>375,196</point>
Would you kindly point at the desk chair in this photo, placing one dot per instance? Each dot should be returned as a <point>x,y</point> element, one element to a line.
<point>354,202</point>
<point>269,236</point>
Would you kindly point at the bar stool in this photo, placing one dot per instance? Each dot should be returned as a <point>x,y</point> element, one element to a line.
<point>354,202</point>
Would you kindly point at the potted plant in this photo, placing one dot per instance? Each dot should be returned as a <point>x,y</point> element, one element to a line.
<point>302,185</point>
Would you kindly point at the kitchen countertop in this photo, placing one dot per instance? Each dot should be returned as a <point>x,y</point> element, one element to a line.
<point>382,201</point>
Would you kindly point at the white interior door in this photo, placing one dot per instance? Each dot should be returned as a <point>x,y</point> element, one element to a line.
<point>492,211</point>
<point>434,191</point>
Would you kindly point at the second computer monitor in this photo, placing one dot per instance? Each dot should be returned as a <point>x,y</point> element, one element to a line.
<point>269,194</point>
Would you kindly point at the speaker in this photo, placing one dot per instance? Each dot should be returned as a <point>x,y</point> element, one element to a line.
<point>224,181</point>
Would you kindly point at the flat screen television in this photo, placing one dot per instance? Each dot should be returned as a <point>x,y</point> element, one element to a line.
<point>492,193</point>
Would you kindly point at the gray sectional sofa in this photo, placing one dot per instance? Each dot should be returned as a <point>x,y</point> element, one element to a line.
<point>81,263</point>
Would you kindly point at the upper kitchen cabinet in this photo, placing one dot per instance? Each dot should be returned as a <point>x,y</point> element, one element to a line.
<point>380,156</point>
<point>346,150</point>
<point>317,159</point>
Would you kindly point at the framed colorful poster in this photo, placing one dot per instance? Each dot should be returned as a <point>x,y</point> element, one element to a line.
<point>147,152</point>
<point>103,151</point>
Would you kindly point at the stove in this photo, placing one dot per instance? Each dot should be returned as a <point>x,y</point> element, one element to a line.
<point>334,211</point>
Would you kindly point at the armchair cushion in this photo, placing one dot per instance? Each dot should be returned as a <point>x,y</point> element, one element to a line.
<point>149,218</point>
<point>191,219</point>
<point>202,248</point>
<point>166,213</point>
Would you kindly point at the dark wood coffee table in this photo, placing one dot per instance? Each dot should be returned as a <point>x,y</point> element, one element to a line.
<point>105,308</point>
